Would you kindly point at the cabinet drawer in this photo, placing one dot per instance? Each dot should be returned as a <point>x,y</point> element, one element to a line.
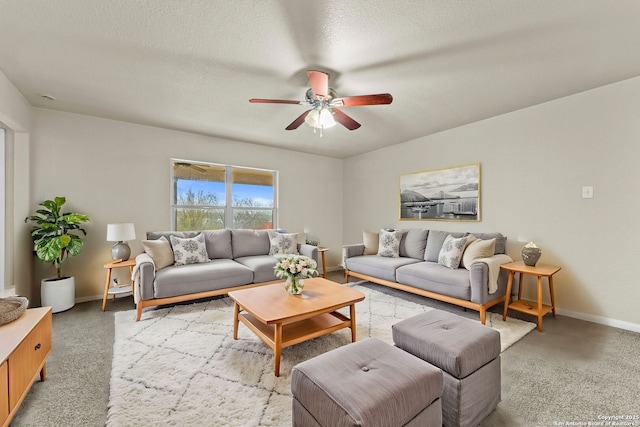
<point>4,396</point>
<point>25,361</point>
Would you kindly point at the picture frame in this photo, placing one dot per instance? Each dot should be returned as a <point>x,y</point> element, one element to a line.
<point>449,194</point>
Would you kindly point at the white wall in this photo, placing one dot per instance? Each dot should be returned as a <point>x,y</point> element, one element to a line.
<point>119,172</point>
<point>15,115</point>
<point>534,163</point>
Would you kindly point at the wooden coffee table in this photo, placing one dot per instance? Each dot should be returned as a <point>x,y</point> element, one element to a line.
<point>282,320</point>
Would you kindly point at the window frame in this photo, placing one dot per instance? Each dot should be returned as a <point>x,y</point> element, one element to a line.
<point>228,208</point>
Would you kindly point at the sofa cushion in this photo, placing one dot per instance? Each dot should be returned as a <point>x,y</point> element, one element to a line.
<point>377,266</point>
<point>451,251</point>
<point>433,277</point>
<point>282,243</point>
<point>153,235</point>
<point>389,243</point>
<point>261,265</point>
<point>249,242</point>
<point>160,252</point>
<point>189,279</point>
<point>370,241</point>
<point>192,250</point>
<point>413,243</point>
<point>501,241</point>
<point>435,239</point>
<point>476,250</point>
<point>218,243</point>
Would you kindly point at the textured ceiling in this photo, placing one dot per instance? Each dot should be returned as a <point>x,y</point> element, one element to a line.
<point>193,65</point>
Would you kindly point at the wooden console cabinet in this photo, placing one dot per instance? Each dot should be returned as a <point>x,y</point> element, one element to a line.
<point>25,345</point>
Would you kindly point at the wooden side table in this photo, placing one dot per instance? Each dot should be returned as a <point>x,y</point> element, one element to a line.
<point>324,265</point>
<point>118,289</point>
<point>534,308</point>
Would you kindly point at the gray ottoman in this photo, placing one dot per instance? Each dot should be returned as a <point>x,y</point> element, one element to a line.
<point>469,355</point>
<point>366,383</point>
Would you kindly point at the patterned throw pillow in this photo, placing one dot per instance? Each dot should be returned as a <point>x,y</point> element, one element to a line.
<point>451,252</point>
<point>389,243</point>
<point>189,251</point>
<point>281,243</point>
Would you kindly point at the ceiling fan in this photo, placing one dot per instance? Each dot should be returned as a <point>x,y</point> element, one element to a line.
<point>324,102</point>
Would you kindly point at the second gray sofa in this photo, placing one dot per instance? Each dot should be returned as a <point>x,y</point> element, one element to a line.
<point>416,269</point>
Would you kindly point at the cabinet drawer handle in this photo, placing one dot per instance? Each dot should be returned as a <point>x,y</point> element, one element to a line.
<point>38,346</point>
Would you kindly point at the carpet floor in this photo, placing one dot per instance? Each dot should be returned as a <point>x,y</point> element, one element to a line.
<point>573,372</point>
<point>180,365</point>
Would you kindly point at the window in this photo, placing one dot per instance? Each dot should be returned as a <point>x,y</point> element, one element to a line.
<point>209,196</point>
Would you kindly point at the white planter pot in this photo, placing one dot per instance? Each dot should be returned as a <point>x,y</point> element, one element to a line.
<point>59,294</point>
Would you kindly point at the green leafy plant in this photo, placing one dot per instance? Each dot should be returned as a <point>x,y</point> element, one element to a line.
<point>56,236</point>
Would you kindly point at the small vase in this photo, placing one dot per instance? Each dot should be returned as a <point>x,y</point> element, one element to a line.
<point>294,285</point>
<point>530,256</point>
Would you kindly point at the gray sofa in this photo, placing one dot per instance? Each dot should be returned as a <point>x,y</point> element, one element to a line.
<point>237,259</point>
<point>417,270</point>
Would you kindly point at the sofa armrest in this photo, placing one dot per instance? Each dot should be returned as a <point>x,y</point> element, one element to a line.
<point>311,251</point>
<point>146,274</point>
<point>479,277</point>
<point>349,251</point>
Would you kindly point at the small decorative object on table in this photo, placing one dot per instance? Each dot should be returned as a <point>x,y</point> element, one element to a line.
<point>11,308</point>
<point>295,268</point>
<point>531,254</point>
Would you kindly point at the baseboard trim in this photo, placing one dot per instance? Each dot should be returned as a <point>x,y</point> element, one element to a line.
<point>607,321</point>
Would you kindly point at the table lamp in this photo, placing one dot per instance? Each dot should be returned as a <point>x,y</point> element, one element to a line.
<point>120,233</point>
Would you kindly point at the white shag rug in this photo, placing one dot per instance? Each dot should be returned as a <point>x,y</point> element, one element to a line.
<point>181,366</point>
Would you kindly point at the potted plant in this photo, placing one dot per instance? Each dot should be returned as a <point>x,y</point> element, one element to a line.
<point>56,236</point>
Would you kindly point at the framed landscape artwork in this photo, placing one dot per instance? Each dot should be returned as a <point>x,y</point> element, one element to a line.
<point>451,194</point>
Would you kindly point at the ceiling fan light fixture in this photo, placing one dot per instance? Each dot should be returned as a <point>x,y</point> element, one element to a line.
<point>320,118</point>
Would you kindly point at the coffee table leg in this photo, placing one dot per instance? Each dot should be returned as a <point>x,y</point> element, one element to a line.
<point>352,310</point>
<point>277,350</point>
<point>236,311</point>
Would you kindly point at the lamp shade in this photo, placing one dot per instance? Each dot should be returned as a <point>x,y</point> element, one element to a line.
<point>120,232</point>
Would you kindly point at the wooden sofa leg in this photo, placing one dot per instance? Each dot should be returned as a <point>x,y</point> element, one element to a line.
<point>346,276</point>
<point>483,315</point>
<point>138,312</point>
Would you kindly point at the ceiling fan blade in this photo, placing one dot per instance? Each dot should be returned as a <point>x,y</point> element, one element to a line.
<point>355,101</point>
<point>345,120</point>
<point>275,101</point>
<point>319,82</point>
<point>297,122</point>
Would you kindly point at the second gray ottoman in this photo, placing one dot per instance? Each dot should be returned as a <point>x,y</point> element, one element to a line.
<point>469,355</point>
<point>366,383</point>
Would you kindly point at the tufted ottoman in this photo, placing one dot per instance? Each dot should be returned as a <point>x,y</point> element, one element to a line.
<point>366,383</point>
<point>469,355</point>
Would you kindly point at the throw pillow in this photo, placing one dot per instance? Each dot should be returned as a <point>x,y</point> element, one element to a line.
<point>281,243</point>
<point>370,241</point>
<point>160,252</point>
<point>189,251</point>
<point>389,243</point>
<point>451,252</point>
<point>478,249</point>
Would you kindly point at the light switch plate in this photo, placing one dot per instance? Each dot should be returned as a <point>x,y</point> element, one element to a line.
<point>587,192</point>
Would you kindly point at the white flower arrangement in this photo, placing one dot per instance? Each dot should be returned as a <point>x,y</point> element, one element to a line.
<point>295,266</point>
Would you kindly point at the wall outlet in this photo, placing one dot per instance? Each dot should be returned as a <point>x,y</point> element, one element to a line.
<point>587,192</point>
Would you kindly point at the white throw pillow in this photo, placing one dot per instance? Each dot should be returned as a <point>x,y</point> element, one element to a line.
<point>476,250</point>
<point>282,243</point>
<point>189,251</point>
<point>451,252</point>
<point>389,243</point>
<point>370,241</point>
<point>160,252</point>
